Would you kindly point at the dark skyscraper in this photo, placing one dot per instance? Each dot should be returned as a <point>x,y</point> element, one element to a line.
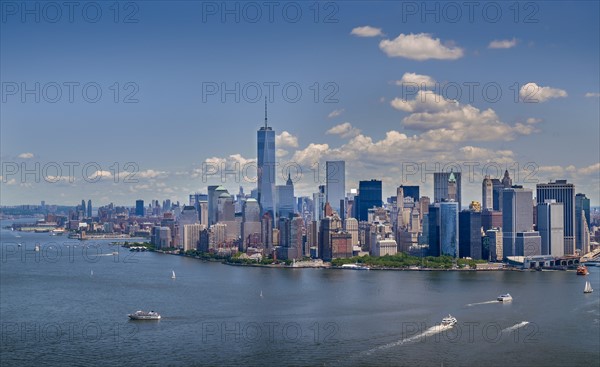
<point>441,182</point>
<point>89,208</point>
<point>433,239</point>
<point>266,166</point>
<point>139,208</point>
<point>469,234</point>
<point>411,191</point>
<point>562,192</point>
<point>369,195</point>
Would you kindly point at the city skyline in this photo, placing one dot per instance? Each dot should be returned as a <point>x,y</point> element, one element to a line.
<point>367,113</point>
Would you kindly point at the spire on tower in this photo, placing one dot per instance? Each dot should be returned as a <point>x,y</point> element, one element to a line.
<point>265,112</point>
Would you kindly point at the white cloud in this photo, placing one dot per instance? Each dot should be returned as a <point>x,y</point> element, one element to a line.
<point>366,31</point>
<point>345,130</point>
<point>335,113</point>
<point>420,47</point>
<point>443,120</point>
<point>281,153</point>
<point>285,139</point>
<point>149,173</point>
<point>533,93</point>
<point>503,43</point>
<point>311,154</point>
<point>592,95</point>
<point>533,120</point>
<point>422,81</point>
<point>591,169</point>
<point>25,155</point>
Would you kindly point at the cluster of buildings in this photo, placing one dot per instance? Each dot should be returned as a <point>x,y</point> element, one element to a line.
<point>339,223</point>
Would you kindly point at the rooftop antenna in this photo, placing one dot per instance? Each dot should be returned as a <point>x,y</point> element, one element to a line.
<point>265,112</point>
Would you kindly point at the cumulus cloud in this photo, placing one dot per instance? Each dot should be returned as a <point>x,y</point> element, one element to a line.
<point>533,93</point>
<point>420,47</point>
<point>422,81</point>
<point>344,130</point>
<point>285,139</point>
<point>25,155</point>
<point>503,43</point>
<point>442,119</point>
<point>335,113</point>
<point>366,31</point>
<point>150,173</point>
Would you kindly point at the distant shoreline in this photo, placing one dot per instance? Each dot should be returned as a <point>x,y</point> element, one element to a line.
<point>329,266</point>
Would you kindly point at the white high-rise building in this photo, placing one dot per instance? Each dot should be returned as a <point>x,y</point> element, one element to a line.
<point>335,184</point>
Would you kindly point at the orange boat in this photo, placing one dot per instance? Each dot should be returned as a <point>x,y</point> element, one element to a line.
<point>582,270</point>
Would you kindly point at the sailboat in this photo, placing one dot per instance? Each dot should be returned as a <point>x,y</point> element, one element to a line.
<point>261,296</point>
<point>588,287</point>
<point>173,276</point>
<point>91,272</point>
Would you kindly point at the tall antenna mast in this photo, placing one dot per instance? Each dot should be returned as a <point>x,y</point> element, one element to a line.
<point>265,112</point>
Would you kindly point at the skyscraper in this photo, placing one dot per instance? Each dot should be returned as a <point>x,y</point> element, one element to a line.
<point>582,221</point>
<point>89,208</point>
<point>550,224</point>
<point>335,184</point>
<point>433,229</point>
<point>212,205</point>
<point>497,188</point>
<point>369,195</point>
<point>449,228</point>
<point>487,194</point>
<point>441,182</point>
<point>266,167</point>
<point>139,208</point>
<point>285,198</point>
<point>564,193</point>
<point>469,236</point>
<point>517,216</point>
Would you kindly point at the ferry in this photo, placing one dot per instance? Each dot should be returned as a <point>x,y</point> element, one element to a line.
<point>449,321</point>
<point>582,270</point>
<point>355,267</point>
<point>143,315</point>
<point>505,298</point>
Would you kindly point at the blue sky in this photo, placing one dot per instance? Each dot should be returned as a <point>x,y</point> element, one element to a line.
<point>176,48</point>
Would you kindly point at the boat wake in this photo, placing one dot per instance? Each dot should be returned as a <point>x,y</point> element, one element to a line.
<point>429,332</point>
<point>515,327</point>
<point>482,303</point>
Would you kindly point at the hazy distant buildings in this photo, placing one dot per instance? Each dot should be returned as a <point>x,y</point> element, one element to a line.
<point>564,193</point>
<point>444,180</point>
<point>335,178</point>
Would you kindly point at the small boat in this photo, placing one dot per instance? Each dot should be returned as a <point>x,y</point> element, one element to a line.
<point>261,295</point>
<point>37,248</point>
<point>588,287</point>
<point>355,267</point>
<point>449,321</point>
<point>582,270</point>
<point>143,315</point>
<point>505,298</point>
<point>91,273</point>
<point>173,276</point>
